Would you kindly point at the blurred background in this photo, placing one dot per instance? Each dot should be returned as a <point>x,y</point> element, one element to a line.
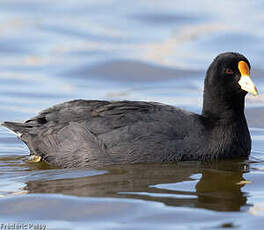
<point>52,51</point>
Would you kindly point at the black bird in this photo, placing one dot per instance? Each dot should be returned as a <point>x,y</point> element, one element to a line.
<point>94,133</point>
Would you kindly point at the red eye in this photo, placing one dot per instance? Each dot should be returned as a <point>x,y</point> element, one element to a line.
<point>229,71</point>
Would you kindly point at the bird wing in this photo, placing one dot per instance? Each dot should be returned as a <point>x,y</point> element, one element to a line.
<point>81,132</point>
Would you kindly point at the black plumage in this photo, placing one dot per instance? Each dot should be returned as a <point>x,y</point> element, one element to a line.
<point>83,133</point>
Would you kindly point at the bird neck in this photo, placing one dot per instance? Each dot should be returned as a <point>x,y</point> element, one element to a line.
<point>226,124</point>
<point>222,106</point>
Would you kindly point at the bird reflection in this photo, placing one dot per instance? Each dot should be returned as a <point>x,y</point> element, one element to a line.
<point>214,186</point>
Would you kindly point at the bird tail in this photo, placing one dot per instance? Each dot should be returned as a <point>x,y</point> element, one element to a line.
<point>17,127</point>
<point>22,130</point>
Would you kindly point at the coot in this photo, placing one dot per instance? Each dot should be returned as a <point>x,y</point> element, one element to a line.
<point>94,133</point>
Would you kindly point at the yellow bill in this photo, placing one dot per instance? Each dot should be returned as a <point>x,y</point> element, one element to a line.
<point>245,82</point>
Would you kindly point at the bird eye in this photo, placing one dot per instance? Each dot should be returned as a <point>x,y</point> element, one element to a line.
<point>229,71</point>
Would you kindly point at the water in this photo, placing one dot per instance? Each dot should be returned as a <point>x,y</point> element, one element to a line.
<point>146,50</point>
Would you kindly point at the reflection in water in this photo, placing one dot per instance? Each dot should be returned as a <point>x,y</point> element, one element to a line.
<point>218,187</point>
<point>221,190</point>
